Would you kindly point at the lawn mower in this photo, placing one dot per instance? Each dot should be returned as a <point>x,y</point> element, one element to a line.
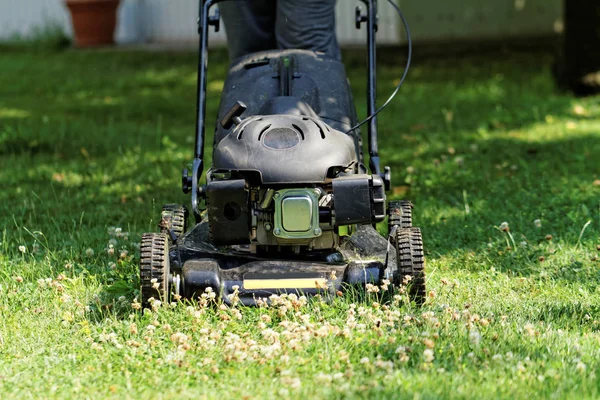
<point>288,205</point>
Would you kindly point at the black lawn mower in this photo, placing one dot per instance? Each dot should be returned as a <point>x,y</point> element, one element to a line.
<point>288,205</point>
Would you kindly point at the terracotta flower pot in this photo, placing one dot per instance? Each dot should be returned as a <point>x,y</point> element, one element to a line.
<point>94,21</point>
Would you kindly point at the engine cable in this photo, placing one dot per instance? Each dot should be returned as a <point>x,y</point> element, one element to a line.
<point>408,61</point>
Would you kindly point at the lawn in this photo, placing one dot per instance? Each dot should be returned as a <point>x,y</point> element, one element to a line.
<point>504,173</point>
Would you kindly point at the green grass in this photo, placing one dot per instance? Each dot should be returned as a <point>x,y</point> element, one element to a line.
<point>93,140</point>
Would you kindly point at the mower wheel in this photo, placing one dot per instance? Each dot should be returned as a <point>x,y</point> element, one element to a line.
<point>411,263</point>
<point>399,214</point>
<point>173,221</point>
<point>154,267</point>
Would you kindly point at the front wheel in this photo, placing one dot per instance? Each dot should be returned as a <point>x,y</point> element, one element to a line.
<point>154,267</point>
<point>411,263</point>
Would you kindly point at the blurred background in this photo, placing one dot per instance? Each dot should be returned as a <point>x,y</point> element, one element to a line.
<point>569,29</point>
<point>160,21</point>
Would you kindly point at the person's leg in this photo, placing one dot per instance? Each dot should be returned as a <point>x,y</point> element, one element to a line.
<point>307,24</point>
<point>250,26</point>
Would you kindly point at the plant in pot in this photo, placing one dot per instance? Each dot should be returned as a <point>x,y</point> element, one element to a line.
<point>94,21</point>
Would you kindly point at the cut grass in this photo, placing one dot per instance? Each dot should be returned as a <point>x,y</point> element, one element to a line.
<point>93,140</point>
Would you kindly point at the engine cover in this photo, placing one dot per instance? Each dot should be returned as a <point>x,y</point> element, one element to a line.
<point>285,149</point>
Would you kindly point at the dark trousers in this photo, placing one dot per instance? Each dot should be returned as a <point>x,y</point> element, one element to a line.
<point>256,25</point>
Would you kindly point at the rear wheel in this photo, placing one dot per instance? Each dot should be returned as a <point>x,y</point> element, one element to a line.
<point>399,214</point>
<point>173,221</point>
<point>154,267</point>
<point>411,263</point>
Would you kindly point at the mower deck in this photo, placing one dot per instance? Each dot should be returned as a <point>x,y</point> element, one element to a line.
<point>196,264</point>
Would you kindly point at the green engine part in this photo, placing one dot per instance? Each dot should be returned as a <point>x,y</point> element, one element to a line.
<point>296,214</point>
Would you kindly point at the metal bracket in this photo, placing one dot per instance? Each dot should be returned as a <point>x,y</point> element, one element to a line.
<point>215,20</point>
<point>359,17</point>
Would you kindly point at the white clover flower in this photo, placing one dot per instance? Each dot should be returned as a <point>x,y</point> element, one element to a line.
<point>428,355</point>
<point>537,223</point>
<point>529,329</point>
<point>372,288</point>
<point>22,249</point>
<point>474,337</point>
<point>384,364</point>
<point>384,284</point>
<point>89,252</point>
<point>96,346</point>
<point>295,383</point>
<point>504,227</point>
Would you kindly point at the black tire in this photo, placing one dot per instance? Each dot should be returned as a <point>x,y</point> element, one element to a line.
<point>411,263</point>
<point>173,221</point>
<point>154,264</point>
<point>399,214</point>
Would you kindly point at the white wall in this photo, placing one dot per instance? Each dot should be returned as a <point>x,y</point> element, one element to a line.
<point>24,17</point>
<point>20,17</point>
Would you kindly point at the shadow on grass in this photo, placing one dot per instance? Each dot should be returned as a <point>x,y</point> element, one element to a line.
<point>517,181</point>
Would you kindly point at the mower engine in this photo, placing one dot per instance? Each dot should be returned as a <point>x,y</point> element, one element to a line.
<point>288,180</point>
